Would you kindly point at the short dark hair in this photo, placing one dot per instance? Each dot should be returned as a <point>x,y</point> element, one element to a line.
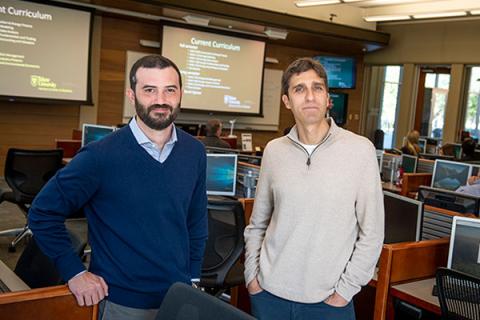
<point>302,65</point>
<point>468,147</point>
<point>212,127</point>
<point>152,61</point>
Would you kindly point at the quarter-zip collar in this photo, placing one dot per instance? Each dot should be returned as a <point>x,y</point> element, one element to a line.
<point>293,136</point>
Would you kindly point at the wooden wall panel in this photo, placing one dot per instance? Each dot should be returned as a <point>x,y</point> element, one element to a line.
<point>34,126</point>
<point>119,35</point>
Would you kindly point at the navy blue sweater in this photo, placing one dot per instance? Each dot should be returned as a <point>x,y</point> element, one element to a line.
<point>147,221</point>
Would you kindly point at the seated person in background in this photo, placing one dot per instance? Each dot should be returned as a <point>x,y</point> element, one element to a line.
<point>472,187</point>
<point>411,146</point>
<point>212,136</point>
<point>468,149</point>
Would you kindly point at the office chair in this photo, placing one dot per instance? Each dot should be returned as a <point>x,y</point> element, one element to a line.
<point>458,294</point>
<point>222,268</point>
<point>26,172</point>
<point>183,302</point>
<point>37,270</point>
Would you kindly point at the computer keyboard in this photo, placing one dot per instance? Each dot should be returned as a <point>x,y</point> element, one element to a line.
<point>3,287</point>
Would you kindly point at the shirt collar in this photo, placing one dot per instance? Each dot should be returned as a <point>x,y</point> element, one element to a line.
<point>143,139</point>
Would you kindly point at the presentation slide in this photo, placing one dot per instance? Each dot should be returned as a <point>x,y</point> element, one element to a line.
<point>44,51</point>
<point>220,73</point>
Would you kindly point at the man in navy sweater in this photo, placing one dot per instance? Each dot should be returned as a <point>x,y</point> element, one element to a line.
<point>143,192</point>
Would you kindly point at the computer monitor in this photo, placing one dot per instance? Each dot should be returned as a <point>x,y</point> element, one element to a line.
<point>454,201</point>
<point>403,218</point>
<point>423,144</point>
<point>450,175</point>
<point>409,163</point>
<point>464,252</point>
<point>380,159</point>
<point>221,174</point>
<point>94,132</point>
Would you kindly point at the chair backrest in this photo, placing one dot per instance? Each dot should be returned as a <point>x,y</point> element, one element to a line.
<point>226,223</point>
<point>183,302</point>
<point>459,294</point>
<point>27,171</point>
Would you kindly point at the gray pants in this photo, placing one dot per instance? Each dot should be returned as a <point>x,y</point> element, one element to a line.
<point>108,310</point>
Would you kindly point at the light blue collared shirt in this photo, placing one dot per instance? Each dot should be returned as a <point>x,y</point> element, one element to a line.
<point>158,154</point>
<point>472,189</point>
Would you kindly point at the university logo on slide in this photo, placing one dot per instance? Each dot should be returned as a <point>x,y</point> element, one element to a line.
<point>34,81</point>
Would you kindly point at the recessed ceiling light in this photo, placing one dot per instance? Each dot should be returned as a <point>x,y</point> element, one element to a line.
<point>308,3</point>
<point>439,14</point>
<point>386,18</point>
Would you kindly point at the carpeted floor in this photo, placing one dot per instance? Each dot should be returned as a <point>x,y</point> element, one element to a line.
<point>12,217</point>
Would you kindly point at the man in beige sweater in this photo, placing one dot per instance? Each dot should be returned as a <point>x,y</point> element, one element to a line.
<point>317,225</point>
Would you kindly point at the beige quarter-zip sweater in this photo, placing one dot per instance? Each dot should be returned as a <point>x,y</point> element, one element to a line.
<point>318,221</point>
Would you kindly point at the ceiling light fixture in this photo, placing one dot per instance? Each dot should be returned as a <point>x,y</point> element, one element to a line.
<point>309,3</point>
<point>386,18</point>
<point>439,14</point>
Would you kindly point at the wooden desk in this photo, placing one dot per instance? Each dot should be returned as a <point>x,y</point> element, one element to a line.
<point>391,187</point>
<point>402,262</point>
<point>52,303</point>
<point>418,293</point>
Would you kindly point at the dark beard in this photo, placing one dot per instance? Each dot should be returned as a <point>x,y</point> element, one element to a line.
<point>157,123</point>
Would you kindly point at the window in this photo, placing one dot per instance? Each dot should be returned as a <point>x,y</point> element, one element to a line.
<point>472,110</point>
<point>435,100</point>
<point>389,103</point>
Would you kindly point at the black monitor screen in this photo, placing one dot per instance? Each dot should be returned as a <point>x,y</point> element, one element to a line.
<point>409,163</point>
<point>340,71</point>
<point>402,218</point>
<point>221,174</point>
<point>450,175</point>
<point>339,108</point>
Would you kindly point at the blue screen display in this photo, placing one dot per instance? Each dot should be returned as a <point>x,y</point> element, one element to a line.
<point>340,71</point>
<point>93,133</point>
<point>221,174</point>
<point>450,175</point>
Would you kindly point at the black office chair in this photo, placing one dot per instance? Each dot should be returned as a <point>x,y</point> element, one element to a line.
<point>37,270</point>
<point>183,302</point>
<point>26,172</point>
<point>459,295</point>
<point>222,268</point>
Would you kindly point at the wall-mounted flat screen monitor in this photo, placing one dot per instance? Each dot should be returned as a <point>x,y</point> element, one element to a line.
<point>44,52</point>
<point>450,175</point>
<point>341,71</point>
<point>403,218</point>
<point>221,73</point>
<point>409,163</point>
<point>221,174</point>
<point>464,251</point>
<point>339,109</point>
<point>94,132</point>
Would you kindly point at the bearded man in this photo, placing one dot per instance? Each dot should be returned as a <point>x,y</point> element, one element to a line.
<point>143,192</point>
